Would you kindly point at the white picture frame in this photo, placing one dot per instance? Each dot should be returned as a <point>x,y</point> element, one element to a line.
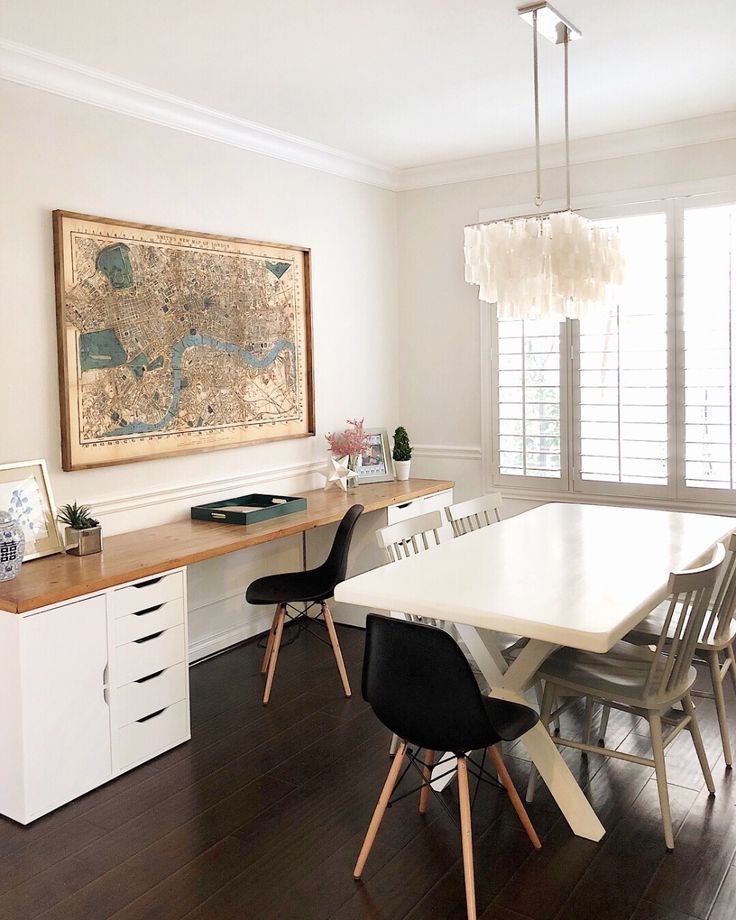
<point>25,493</point>
<point>376,465</point>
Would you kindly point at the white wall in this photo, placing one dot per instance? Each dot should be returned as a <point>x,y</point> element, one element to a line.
<point>440,383</point>
<point>57,153</point>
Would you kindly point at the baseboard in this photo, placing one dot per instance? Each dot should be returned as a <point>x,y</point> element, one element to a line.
<point>210,645</point>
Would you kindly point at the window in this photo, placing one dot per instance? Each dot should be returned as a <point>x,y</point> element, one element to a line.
<point>641,403</point>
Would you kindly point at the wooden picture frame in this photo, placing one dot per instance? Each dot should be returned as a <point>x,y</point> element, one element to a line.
<point>174,342</point>
<point>376,463</point>
<point>25,493</point>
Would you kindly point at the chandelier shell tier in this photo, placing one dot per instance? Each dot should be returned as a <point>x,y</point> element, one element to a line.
<point>545,267</point>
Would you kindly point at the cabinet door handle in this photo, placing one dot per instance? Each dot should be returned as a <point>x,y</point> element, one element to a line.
<point>142,680</point>
<point>404,505</point>
<point>152,715</point>
<point>142,613</point>
<point>148,638</point>
<point>151,581</point>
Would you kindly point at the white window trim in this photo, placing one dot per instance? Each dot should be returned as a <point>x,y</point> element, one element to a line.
<point>674,496</point>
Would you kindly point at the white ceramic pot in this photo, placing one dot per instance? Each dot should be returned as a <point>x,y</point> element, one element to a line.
<point>402,469</point>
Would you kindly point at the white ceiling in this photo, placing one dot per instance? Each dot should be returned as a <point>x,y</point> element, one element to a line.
<point>402,82</point>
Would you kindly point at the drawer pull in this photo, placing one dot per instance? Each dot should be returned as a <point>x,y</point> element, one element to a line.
<point>152,715</point>
<point>142,680</point>
<point>148,638</point>
<point>405,505</point>
<point>146,584</point>
<point>142,613</point>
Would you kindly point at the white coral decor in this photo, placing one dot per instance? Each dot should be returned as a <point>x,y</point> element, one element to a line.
<point>554,266</point>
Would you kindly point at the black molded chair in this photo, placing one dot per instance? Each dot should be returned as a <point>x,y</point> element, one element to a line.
<point>311,587</point>
<point>420,685</point>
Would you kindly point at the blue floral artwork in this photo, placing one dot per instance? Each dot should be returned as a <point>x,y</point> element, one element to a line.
<point>24,502</point>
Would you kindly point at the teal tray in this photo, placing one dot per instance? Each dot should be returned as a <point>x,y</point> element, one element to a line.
<point>249,509</point>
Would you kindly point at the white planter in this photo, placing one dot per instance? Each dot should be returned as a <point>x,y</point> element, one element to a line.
<point>402,469</point>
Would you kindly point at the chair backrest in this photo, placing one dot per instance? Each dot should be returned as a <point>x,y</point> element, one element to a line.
<point>411,537</point>
<point>336,565</point>
<point>474,513</point>
<point>720,616</point>
<point>421,687</point>
<point>690,592</point>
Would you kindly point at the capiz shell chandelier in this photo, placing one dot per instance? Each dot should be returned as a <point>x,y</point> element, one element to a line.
<point>546,265</point>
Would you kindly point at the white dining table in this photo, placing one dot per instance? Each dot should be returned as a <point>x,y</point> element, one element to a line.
<point>562,574</point>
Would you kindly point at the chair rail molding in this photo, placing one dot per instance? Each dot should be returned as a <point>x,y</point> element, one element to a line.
<point>186,492</point>
<point>40,70</point>
<point>447,451</point>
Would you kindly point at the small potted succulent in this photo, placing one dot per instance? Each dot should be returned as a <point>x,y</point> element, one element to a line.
<point>83,532</point>
<point>402,453</point>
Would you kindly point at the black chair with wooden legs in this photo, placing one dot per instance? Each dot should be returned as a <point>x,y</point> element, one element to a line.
<point>420,685</point>
<point>310,588</point>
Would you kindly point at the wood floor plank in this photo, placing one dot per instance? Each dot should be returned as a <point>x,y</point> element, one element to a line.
<point>689,880</point>
<point>648,911</point>
<point>724,907</point>
<point>618,875</point>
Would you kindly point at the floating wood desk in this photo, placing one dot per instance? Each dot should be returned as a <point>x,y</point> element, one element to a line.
<point>93,670</point>
<point>147,552</point>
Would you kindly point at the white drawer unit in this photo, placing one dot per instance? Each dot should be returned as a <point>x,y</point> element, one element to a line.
<point>148,593</point>
<point>149,694</point>
<point>150,620</point>
<point>153,734</point>
<point>149,654</point>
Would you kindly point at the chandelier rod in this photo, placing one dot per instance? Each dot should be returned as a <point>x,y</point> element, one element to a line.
<point>566,42</point>
<point>538,198</point>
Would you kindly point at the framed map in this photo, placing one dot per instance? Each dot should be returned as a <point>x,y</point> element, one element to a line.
<point>172,342</point>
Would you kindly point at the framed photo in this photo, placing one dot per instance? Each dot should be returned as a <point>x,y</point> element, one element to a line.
<point>172,341</point>
<point>25,493</point>
<point>376,458</point>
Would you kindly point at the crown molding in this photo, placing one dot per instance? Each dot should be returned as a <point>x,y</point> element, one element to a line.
<point>703,130</point>
<point>39,70</point>
<point>30,67</point>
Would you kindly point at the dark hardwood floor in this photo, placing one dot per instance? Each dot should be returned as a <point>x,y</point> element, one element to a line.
<point>262,814</point>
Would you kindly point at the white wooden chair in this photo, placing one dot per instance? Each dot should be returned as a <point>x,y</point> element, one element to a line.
<point>713,648</point>
<point>474,513</point>
<point>643,681</point>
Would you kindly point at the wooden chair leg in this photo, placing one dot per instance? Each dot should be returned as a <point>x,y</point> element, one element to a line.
<point>336,649</point>
<point>508,784</point>
<point>466,830</point>
<point>269,644</point>
<point>605,713</point>
<point>694,729</point>
<point>720,701</point>
<point>732,669</point>
<point>281,616</point>
<point>388,788</point>
<point>427,776</point>
<point>655,728</point>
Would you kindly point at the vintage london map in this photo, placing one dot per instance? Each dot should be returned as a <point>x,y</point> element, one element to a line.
<point>171,341</point>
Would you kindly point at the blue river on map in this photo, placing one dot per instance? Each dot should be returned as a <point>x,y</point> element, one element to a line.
<point>177,351</point>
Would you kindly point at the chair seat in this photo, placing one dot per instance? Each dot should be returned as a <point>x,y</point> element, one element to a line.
<point>650,629</point>
<point>619,674</point>
<point>290,587</point>
<point>509,720</point>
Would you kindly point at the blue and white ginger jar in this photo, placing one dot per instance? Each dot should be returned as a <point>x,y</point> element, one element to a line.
<point>12,546</point>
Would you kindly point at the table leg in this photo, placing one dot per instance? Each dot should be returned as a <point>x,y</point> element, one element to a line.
<point>510,683</point>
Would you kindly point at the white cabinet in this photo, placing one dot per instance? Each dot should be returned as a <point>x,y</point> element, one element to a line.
<point>89,689</point>
<point>54,712</point>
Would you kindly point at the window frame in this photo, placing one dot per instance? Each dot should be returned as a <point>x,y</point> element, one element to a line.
<point>570,486</point>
